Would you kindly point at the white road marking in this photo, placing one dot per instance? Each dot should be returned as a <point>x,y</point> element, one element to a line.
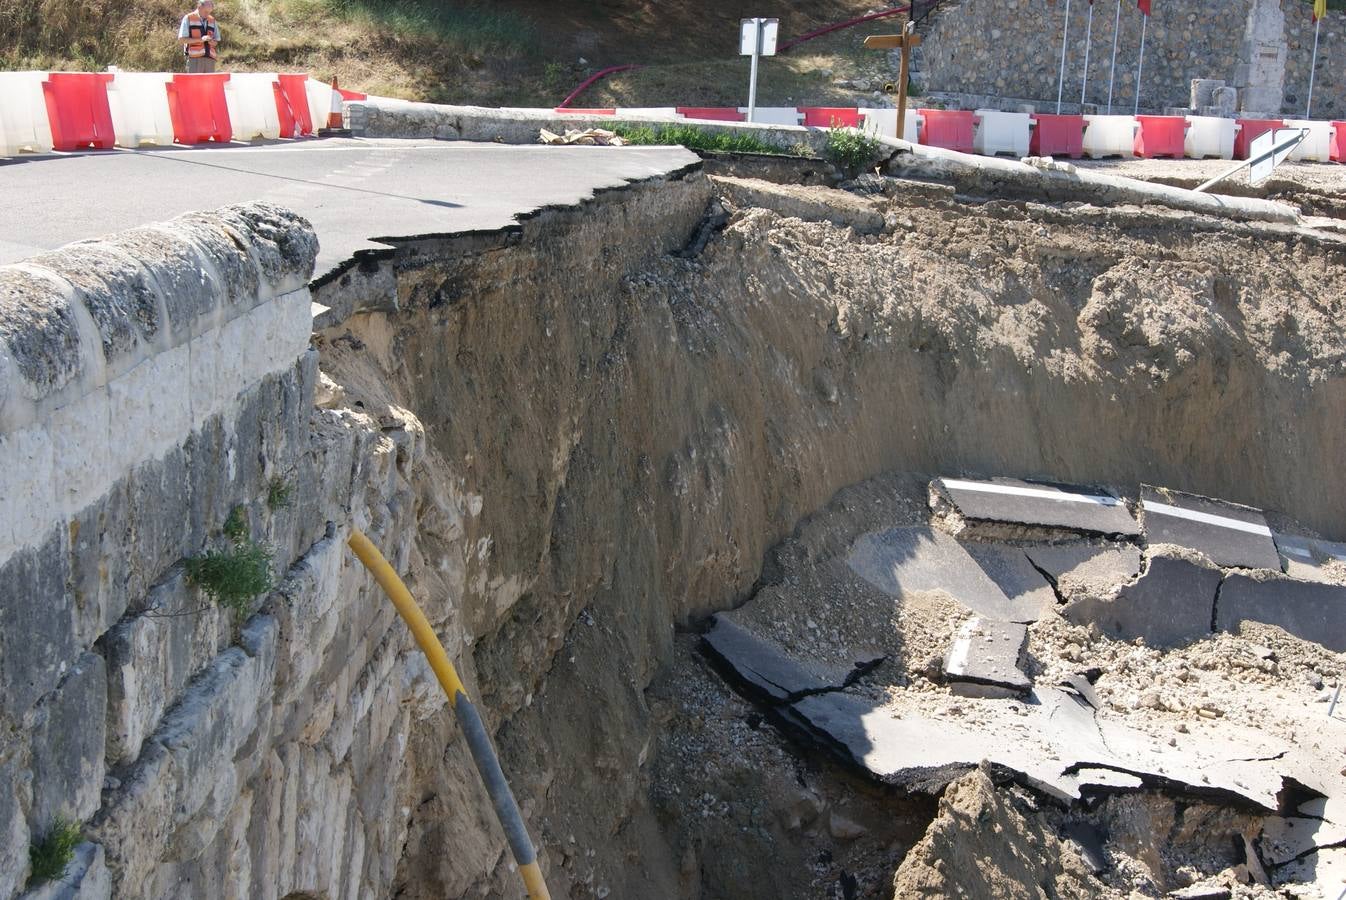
<point>1177,512</point>
<point>1038,493</point>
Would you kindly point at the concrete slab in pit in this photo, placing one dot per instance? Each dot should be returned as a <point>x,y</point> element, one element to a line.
<point>904,561</point>
<point>764,666</point>
<point>1314,612</point>
<point>1324,869</point>
<point>1305,558</point>
<point>985,659</point>
<point>1228,533</point>
<point>1014,573</point>
<point>1039,503</point>
<point>1284,838</point>
<point>1091,565</point>
<point>1171,604</point>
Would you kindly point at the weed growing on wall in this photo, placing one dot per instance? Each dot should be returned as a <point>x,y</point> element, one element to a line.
<point>279,494</point>
<point>53,853</point>
<point>234,576</point>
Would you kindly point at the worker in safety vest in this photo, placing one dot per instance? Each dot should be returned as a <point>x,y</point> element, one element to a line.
<point>199,36</point>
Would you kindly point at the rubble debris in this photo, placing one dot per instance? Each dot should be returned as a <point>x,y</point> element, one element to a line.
<point>593,137</point>
<point>1228,533</point>
<point>1044,504</point>
<point>1171,604</point>
<point>905,561</point>
<point>1088,843</point>
<point>986,658</point>
<point>1309,610</point>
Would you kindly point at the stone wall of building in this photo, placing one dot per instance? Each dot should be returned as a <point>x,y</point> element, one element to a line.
<point>1012,48</point>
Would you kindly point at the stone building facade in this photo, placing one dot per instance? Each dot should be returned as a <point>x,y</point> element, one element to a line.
<point>1012,49</point>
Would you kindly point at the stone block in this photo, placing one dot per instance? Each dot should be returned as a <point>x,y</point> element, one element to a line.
<point>158,503</point>
<point>203,383</point>
<point>1171,603</point>
<point>68,740</point>
<point>27,489</point>
<point>86,878</point>
<point>40,341</point>
<point>153,656</point>
<point>82,455</point>
<point>305,608</point>
<point>151,410</point>
<point>174,265</point>
<point>15,796</point>
<point>194,748</point>
<point>102,565</point>
<point>37,624</point>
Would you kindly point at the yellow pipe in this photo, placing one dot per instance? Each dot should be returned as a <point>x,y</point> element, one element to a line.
<point>483,755</point>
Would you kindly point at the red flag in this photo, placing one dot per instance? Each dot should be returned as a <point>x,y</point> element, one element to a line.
<point>1144,6</point>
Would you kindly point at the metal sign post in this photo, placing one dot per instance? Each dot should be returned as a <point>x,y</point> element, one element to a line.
<point>1267,151</point>
<point>756,38</point>
<point>1061,81</point>
<point>1088,38</point>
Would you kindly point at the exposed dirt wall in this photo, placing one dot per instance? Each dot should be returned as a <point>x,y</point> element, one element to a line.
<point>617,435</point>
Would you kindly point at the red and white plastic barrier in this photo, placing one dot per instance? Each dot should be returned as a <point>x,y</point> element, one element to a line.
<point>66,111</point>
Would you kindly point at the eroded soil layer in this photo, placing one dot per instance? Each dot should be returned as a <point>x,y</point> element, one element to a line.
<point>621,419</point>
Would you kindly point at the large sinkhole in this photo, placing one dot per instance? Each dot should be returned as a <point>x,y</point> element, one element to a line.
<point>897,540</point>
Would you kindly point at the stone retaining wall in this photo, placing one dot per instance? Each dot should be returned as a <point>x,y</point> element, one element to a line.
<point>150,383</point>
<point>1013,48</point>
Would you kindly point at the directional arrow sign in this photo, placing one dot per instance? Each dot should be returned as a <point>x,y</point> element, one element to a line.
<point>1285,140</point>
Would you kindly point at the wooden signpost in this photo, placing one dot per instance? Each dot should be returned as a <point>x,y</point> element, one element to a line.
<point>906,41</point>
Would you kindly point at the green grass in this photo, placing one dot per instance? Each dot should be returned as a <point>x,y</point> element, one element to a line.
<point>694,138</point>
<point>279,494</point>
<point>468,25</point>
<point>53,853</point>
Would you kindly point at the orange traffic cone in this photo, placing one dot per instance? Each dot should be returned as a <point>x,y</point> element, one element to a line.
<point>336,125</point>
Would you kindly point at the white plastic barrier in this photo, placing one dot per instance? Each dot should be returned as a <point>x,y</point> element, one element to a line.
<point>1110,136</point>
<point>650,112</point>
<point>774,115</point>
<point>1210,137</point>
<point>1002,132</point>
<point>883,122</point>
<point>23,114</point>
<point>319,102</point>
<point>139,105</point>
<point>1317,146</point>
<point>251,97</point>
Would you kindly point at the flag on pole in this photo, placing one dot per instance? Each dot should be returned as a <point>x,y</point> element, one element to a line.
<point>1145,5</point>
<point>1319,9</point>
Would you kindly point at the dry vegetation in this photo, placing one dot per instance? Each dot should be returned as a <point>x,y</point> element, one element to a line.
<point>512,52</point>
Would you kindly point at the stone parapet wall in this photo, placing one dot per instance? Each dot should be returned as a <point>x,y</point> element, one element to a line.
<point>1012,48</point>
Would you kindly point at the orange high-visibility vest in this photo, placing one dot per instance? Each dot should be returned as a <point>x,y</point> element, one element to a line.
<point>198,29</point>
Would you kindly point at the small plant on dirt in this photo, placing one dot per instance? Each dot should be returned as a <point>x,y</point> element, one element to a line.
<point>234,576</point>
<point>279,494</point>
<point>850,150</point>
<point>53,853</point>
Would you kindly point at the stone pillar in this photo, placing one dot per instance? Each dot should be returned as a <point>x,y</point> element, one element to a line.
<point>1260,77</point>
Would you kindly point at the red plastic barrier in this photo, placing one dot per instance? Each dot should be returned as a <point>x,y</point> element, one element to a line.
<point>351,95</point>
<point>1161,136</point>
<point>198,108</point>
<point>77,108</point>
<point>1338,144</point>
<point>587,112</point>
<point>292,105</point>
<point>1055,135</point>
<point>1250,129</point>
<point>831,116</point>
<point>717,113</point>
<point>948,128</point>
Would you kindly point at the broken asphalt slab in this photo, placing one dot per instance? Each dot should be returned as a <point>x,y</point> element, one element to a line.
<point>1171,604</point>
<point>1309,610</point>
<point>1086,565</point>
<point>1307,558</point>
<point>1039,504</point>
<point>765,669</point>
<point>904,561</point>
<point>1228,533</point>
<point>985,659</point>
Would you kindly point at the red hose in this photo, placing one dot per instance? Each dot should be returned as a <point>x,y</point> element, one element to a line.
<point>602,73</point>
<point>882,14</point>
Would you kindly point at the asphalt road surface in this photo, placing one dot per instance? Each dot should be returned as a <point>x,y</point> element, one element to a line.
<point>352,190</point>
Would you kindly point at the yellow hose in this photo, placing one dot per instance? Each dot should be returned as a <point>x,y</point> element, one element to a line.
<point>479,743</point>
